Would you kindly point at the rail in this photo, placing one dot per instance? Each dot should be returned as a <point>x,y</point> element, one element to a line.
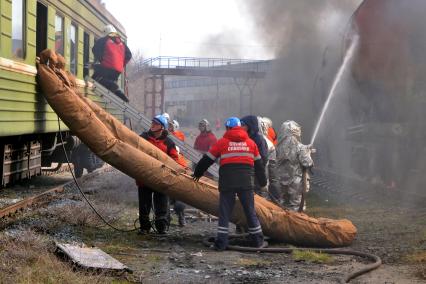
<point>39,198</point>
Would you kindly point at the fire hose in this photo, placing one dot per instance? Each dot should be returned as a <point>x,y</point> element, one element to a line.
<point>377,261</point>
<point>208,241</point>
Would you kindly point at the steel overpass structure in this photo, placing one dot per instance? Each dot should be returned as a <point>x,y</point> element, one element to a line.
<point>244,73</point>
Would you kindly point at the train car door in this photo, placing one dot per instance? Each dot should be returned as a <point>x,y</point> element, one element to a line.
<point>41,29</point>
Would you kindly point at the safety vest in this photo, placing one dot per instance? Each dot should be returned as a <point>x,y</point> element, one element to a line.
<point>179,135</point>
<point>114,53</point>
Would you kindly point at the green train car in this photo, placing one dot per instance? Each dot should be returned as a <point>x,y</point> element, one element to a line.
<point>29,137</point>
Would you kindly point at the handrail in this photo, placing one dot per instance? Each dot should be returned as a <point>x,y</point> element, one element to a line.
<point>199,62</point>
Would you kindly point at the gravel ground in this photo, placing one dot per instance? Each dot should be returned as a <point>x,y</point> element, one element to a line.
<point>397,235</point>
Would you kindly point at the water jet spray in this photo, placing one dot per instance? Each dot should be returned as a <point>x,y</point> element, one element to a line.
<point>346,61</point>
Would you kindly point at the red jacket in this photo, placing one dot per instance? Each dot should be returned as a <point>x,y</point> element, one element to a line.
<point>272,136</point>
<point>240,161</point>
<point>179,135</point>
<point>235,148</point>
<point>164,143</point>
<point>112,53</point>
<point>204,141</point>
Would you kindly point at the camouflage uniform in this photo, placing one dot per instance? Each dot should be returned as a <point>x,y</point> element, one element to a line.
<point>286,172</point>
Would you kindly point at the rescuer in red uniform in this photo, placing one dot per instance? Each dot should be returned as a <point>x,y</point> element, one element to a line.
<point>206,138</point>
<point>174,129</point>
<point>158,136</point>
<point>113,55</point>
<point>240,161</point>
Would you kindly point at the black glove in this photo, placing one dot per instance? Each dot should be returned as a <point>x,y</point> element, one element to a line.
<point>195,178</point>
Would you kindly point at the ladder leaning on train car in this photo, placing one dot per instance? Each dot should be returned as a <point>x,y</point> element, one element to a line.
<point>145,123</point>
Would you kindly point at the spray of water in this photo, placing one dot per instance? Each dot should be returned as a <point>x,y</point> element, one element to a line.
<point>337,79</point>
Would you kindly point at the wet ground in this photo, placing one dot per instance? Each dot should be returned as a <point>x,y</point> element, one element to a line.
<point>396,234</point>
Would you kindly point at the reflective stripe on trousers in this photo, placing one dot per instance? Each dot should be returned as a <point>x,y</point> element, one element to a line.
<point>226,205</point>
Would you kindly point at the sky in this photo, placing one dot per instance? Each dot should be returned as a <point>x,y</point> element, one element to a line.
<point>193,28</point>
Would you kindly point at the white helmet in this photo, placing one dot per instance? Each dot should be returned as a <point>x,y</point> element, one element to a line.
<point>262,126</point>
<point>204,122</point>
<point>267,121</point>
<point>175,124</point>
<point>166,115</point>
<point>291,128</point>
<point>109,29</point>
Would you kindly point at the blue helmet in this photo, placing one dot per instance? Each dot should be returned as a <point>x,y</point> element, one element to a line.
<point>161,120</point>
<point>233,122</point>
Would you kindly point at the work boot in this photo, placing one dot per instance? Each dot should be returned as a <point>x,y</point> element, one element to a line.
<point>181,219</point>
<point>257,240</point>
<point>145,225</point>
<point>121,95</point>
<point>248,243</point>
<point>161,226</point>
<point>218,248</point>
<point>220,244</point>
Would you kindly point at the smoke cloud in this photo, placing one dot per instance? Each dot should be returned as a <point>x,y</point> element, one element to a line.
<point>219,45</point>
<point>372,129</point>
<point>307,36</point>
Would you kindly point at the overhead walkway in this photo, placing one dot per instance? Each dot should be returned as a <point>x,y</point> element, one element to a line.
<point>244,73</point>
<point>204,67</point>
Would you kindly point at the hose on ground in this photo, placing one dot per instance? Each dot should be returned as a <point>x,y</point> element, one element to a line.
<point>377,261</point>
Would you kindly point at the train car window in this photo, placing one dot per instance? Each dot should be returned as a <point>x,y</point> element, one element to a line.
<point>41,29</point>
<point>86,54</point>
<point>59,34</point>
<point>18,25</point>
<point>73,48</point>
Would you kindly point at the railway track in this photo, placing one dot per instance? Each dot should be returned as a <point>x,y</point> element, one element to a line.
<point>60,168</point>
<point>45,196</point>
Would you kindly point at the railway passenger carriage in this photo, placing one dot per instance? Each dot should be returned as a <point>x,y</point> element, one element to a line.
<point>28,126</point>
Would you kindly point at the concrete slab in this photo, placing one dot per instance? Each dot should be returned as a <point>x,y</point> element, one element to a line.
<point>91,257</point>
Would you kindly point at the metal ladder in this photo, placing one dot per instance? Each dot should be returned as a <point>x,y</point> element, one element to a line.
<point>145,123</point>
